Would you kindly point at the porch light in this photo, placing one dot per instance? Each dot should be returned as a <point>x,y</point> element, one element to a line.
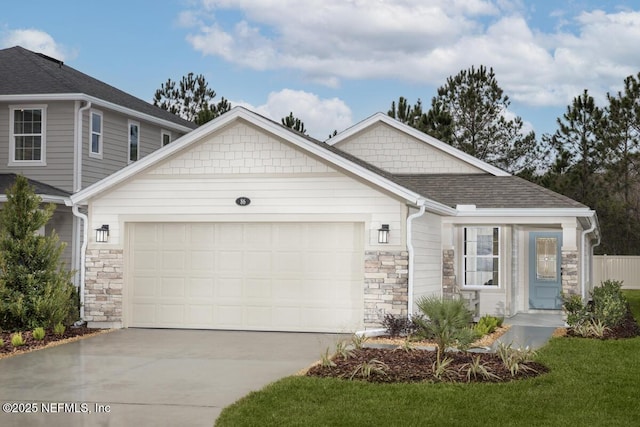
<point>102,234</point>
<point>383,234</point>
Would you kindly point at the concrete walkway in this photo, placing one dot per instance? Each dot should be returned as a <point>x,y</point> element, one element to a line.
<point>530,329</point>
<point>150,377</point>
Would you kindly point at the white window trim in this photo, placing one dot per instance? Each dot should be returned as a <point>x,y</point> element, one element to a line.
<point>162,134</point>
<point>499,256</point>
<point>129,124</point>
<point>43,136</point>
<point>93,154</point>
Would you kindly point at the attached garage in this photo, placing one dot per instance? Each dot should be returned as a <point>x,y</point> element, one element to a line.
<point>273,276</point>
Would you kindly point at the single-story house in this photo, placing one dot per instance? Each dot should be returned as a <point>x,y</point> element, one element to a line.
<point>246,224</point>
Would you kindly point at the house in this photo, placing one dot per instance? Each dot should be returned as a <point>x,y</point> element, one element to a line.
<point>246,224</point>
<point>65,130</point>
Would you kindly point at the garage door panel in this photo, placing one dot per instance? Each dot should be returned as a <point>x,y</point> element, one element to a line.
<point>262,276</point>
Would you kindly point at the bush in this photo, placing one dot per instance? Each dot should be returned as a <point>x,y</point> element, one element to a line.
<point>486,325</point>
<point>447,321</point>
<point>59,329</point>
<point>396,326</point>
<point>607,309</point>
<point>17,340</point>
<point>38,334</point>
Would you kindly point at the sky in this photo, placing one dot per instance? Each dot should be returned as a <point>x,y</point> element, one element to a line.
<point>334,63</point>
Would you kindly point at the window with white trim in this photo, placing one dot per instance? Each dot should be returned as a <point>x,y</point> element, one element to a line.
<point>165,137</point>
<point>481,259</point>
<point>134,141</point>
<point>27,134</point>
<point>95,121</point>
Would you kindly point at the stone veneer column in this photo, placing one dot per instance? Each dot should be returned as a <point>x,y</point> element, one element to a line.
<point>570,285</point>
<point>448,273</point>
<point>386,281</point>
<point>103,286</point>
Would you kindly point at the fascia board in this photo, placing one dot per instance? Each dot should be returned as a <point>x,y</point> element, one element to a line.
<point>95,101</point>
<point>58,200</point>
<point>428,139</point>
<point>537,212</point>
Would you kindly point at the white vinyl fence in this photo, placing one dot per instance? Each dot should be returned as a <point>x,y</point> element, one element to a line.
<point>610,267</point>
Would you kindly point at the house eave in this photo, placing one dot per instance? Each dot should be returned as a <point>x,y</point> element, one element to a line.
<point>58,200</point>
<point>96,102</point>
<point>520,212</point>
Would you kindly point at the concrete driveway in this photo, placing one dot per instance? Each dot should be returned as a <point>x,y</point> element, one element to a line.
<point>149,376</point>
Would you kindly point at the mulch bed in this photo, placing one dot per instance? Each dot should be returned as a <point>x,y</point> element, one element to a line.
<point>629,328</point>
<point>417,365</point>
<point>70,334</point>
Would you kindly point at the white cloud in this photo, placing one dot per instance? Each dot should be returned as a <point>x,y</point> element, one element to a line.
<point>320,116</point>
<point>425,41</point>
<point>37,41</point>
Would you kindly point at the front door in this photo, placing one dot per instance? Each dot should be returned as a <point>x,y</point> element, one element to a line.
<point>545,280</point>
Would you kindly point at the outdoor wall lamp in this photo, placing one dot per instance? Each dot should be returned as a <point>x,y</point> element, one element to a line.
<point>102,234</point>
<point>383,234</point>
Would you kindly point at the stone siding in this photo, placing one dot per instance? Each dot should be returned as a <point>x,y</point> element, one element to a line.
<point>386,280</point>
<point>103,286</point>
<point>448,273</point>
<point>570,284</point>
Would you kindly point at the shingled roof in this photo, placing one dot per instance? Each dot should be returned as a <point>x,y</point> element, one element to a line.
<point>40,188</point>
<point>23,72</point>
<point>486,191</point>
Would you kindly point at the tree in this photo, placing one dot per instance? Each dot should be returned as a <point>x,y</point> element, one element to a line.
<point>294,123</point>
<point>578,141</point>
<point>479,124</point>
<point>191,99</point>
<point>35,286</point>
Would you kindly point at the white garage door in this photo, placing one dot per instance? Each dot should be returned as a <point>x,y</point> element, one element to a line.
<point>257,276</point>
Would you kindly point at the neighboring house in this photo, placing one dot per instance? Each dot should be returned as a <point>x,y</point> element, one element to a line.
<point>65,130</point>
<point>245,224</point>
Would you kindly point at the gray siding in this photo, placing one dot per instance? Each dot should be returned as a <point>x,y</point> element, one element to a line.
<point>62,223</point>
<point>58,171</point>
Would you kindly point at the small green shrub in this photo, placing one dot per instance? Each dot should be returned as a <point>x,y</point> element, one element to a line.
<point>609,303</point>
<point>17,340</point>
<point>366,369</point>
<point>514,359</point>
<point>477,369</point>
<point>38,334</point>
<point>358,341</point>
<point>342,350</point>
<point>486,325</point>
<point>577,312</point>
<point>1,342</point>
<point>59,329</point>
<point>325,360</point>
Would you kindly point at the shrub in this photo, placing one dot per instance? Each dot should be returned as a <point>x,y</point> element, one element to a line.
<point>59,329</point>
<point>38,334</point>
<point>366,369</point>
<point>477,369</point>
<point>486,325</point>
<point>447,321</point>
<point>325,359</point>
<point>396,326</point>
<point>577,312</point>
<point>609,304</point>
<point>17,340</point>
<point>1,342</point>
<point>514,359</point>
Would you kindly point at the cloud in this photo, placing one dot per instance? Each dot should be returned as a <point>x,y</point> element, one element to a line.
<point>425,42</point>
<point>37,41</point>
<point>320,116</point>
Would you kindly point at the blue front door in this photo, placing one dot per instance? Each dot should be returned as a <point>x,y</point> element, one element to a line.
<point>545,279</point>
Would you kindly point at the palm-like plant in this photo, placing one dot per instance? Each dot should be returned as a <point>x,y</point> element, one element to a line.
<point>447,322</point>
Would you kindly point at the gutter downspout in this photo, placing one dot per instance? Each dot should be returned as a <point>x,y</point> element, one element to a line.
<point>83,254</point>
<point>411,250</point>
<point>583,243</point>
<point>77,167</point>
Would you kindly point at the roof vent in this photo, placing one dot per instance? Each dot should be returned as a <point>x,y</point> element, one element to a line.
<point>48,58</point>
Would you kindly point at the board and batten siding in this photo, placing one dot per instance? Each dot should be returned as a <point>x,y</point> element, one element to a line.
<point>283,183</point>
<point>397,152</point>
<point>427,244</point>
<point>59,135</point>
<point>115,152</point>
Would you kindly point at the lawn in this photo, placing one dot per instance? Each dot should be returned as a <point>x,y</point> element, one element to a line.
<point>591,382</point>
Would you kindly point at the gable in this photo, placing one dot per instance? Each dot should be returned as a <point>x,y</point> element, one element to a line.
<point>241,149</point>
<point>398,152</point>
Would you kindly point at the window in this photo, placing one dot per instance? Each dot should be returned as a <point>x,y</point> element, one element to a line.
<point>27,135</point>
<point>481,256</point>
<point>96,135</point>
<point>134,141</point>
<point>166,137</point>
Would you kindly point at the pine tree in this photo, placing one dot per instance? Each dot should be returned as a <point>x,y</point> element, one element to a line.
<point>35,286</point>
<point>294,123</point>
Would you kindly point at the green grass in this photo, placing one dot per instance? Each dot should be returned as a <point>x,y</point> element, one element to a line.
<point>633,296</point>
<point>591,382</point>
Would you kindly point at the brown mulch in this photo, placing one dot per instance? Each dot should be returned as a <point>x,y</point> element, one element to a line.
<point>50,340</point>
<point>629,328</point>
<point>417,365</point>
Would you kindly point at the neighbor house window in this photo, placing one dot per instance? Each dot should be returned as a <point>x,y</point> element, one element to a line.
<point>134,141</point>
<point>27,136</point>
<point>481,256</point>
<point>96,134</point>
<point>166,137</point>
